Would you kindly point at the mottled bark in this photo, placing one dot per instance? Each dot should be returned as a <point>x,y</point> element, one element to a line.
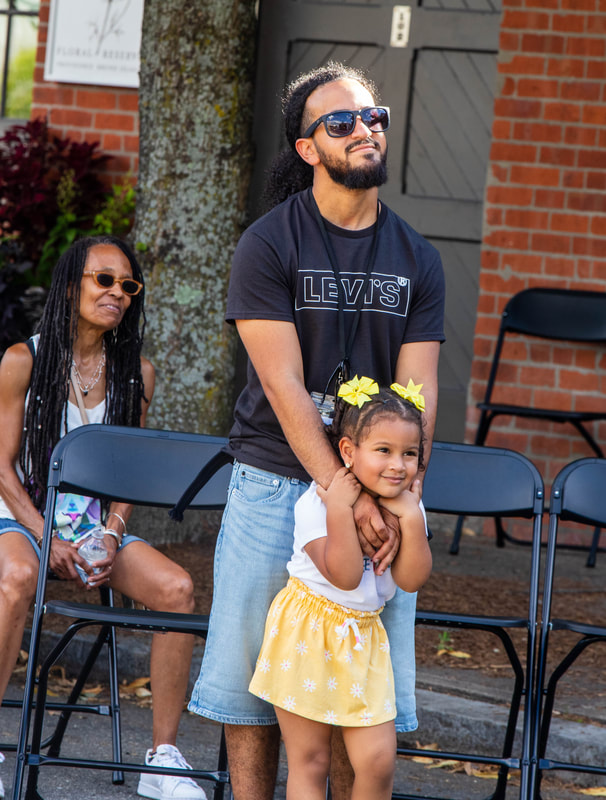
<point>195,155</point>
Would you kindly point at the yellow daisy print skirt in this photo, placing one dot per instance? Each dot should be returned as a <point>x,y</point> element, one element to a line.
<point>324,661</point>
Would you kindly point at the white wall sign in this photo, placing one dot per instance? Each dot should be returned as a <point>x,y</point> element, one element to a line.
<point>95,41</point>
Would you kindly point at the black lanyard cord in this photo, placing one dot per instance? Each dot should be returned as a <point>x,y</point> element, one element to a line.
<point>347,346</point>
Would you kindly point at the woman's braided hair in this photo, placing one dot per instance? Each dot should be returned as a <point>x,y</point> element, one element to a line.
<point>46,411</point>
<point>288,172</point>
<point>354,422</point>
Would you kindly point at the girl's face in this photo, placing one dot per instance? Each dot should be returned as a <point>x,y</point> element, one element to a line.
<point>386,461</point>
<point>104,307</point>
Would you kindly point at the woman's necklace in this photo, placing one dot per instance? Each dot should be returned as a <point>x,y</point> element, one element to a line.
<point>86,387</point>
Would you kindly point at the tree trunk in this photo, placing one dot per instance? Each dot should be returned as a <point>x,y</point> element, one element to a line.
<point>195,103</point>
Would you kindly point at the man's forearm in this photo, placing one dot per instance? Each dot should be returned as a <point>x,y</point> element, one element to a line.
<point>304,430</point>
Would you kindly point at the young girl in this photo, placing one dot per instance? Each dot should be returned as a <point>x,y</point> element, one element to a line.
<point>325,655</point>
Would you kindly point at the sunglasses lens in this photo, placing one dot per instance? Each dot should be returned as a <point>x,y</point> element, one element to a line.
<point>340,124</point>
<point>104,279</point>
<point>130,287</point>
<point>376,119</point>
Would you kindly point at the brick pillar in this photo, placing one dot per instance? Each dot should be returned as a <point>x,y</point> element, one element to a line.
<point>101,114</point>
<point>545,214</point>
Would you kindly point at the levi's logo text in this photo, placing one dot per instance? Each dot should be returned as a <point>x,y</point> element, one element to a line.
<point>387,294</point>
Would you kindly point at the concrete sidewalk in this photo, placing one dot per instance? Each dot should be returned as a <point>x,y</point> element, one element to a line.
<point>458,709</point>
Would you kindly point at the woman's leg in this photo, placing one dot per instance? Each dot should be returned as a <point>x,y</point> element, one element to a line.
<point>308,752</point>
<point>18,577</point>
<point>149,577</point>
<point>372,752</point>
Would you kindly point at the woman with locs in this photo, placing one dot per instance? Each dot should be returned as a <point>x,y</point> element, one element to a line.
<point>85,365</point>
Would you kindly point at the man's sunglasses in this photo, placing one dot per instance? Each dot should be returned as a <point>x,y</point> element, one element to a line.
<point>342,123</point>
<point>105,280</point>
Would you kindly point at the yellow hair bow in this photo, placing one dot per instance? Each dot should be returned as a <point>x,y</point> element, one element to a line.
<point>357,391</point>
<point>412,393</point>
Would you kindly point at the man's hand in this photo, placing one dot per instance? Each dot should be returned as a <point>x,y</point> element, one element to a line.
<point>378,532</point>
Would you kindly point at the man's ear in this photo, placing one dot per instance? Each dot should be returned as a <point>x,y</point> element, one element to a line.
<point>306,149</point>
<point>346,449</point>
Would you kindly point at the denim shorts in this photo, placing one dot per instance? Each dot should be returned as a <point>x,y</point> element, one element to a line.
<point>12,526</point>
<point>253,547</point>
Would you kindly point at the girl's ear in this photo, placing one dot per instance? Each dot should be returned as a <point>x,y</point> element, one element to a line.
<point>346,449</point>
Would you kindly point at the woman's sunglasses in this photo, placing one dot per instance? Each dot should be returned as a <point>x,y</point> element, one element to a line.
<point>342,123</point>
<point>105,280</point>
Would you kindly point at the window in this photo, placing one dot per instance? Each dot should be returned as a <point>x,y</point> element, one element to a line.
<point>18,40</point>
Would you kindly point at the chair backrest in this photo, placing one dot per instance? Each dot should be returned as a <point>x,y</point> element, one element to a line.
<point>565,314</point>
<point>138,465</point>
<point>481,481</point>
<point>578,492</point>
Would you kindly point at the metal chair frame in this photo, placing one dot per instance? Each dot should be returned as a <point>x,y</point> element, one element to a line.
<point>577,494</point>
<point>487,481</point>
<point>53,743</point>
<point>553,315</point>
<point>140,466</point>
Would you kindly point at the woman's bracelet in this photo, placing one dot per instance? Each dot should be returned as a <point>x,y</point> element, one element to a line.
<point>115,514</point>
<point>115,534</point>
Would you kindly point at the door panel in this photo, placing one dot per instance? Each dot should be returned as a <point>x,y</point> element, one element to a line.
<point>440,90</point>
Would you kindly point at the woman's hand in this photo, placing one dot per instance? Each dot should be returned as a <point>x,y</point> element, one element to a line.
<point>64,555</point>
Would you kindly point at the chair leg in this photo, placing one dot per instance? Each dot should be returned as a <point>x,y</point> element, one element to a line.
<point>54,741</point>
<point>114,699</point>
<point>593,551</point>
<point>500,531</point>
<point>456,539</point>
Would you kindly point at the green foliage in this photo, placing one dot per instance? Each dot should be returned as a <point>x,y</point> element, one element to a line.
<point>44,181</point>
<point>114,218</point>
<point>65,229</point>
<point>116,214</point>
<point>20,83</point>
<point>445,641</point>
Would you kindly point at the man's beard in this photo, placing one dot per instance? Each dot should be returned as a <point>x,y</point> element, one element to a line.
<point>363,177</point>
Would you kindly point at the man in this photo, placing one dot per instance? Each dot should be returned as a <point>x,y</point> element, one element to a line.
<point>330,281</point>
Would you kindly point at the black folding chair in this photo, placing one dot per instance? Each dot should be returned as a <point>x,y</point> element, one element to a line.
<point>106,636</point>
<point>553,315</point>
<point>487,481</point>
<point>578,494</point>
<point>139,466</point>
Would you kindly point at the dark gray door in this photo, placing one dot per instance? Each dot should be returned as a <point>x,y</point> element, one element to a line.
<point>435,66</point>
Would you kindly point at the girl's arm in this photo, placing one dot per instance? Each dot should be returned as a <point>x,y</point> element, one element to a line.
<point>338,555</point>
<point>412,565</point>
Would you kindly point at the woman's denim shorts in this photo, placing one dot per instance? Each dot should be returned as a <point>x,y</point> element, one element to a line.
<point>12,526</point>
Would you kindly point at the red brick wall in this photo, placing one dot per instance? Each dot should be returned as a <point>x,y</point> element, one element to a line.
<point>545,210</point>
<point>545,214</point>
<point>106,115</point>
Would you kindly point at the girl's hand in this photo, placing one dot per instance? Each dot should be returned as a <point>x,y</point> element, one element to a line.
<point>344,489</point>
<point>405,502</point>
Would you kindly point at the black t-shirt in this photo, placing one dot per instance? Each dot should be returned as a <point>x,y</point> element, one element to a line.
<point>281,271</point>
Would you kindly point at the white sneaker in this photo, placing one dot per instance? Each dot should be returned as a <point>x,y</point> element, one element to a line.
<point>168,787</point>
<point>1,786</point>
